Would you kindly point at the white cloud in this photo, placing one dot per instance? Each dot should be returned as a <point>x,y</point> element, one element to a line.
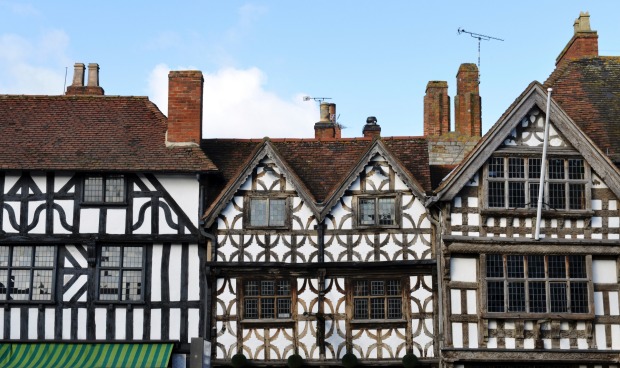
<point>33,67</point>
<point>236,105</point>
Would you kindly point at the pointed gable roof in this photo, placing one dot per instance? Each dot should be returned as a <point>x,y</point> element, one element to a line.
<point>533,96</point>
<point>321,170</point>
<point>90,133</point>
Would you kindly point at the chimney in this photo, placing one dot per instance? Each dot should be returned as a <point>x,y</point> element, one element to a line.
<point>184,108</point>
<point>467,103</point>
<point>436,108</point>
<point>327,127</point>
<point>371,129</point>
<point>78,88</point>
<point>584,42</point>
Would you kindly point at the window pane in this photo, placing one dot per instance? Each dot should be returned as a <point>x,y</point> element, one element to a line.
<point>251,288</point>
<point>577,196</point>
<point>386,211</point>
<point>557,196</point>
<point>496,167</point>
<point>360,309</point>
<point>577,267</point>
<point>251,308</point>
<point>395,308</point>
<point>536,267</point>
<point>516,168</point>
<point>367,211</point>
<point>557,267</point>
<point>110,256</point>
<point>93,189</point>
<point>258,212</point>
<point>495,265</point>
<point>538,297</point>
<point>42,285</point>
<point>534,168</point>
<point>115,189</point>
<point>267,308</point>
<point>20,290</point>
<point>361,288</point>
<point>377,288</point>
<point>516,296</point>
<point>132,257</point>
<point>277,214</point>
<point>557,291</point>
<point>516,194</point>
<point>284,308</point>
<point>131,287</point>
<point>576,169</point>
<point>515,266</point>
<point>108,284</point>
<point>44,256</point>
<point>579,297</point>
<point>556,169</point>
<point>22,256</point>
<point>377,308</point>
<point>496,194</point>
<point>495,296</point>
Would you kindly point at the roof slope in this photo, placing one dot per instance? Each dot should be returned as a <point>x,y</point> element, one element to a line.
<point>321,165</point>
<point>588,89</point>
<point>90,133</point>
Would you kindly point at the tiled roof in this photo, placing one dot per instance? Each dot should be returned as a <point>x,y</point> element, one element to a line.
<point>90,133</point>
<point>588,90</point>
<point>321,165</point>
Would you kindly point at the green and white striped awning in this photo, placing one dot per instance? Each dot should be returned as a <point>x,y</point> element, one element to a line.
<point>95,355</point>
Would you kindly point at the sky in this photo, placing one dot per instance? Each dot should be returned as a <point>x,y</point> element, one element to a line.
<point>259,58</point>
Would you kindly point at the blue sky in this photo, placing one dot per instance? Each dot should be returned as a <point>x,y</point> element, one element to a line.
<point>260,57</point>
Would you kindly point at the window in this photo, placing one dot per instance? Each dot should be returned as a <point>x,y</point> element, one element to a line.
<point>268,212</point>
<point>377,211</point>
<point>120,272</point>
<point>537,283</point>
<point>377,299</point>
<point>267,299</point>
<point>104,189</point>
<point>513,182</point>
<point>26,272</point>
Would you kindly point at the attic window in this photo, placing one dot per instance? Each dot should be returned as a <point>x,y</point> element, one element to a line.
<point>513,182</point>
<point>104,189</point>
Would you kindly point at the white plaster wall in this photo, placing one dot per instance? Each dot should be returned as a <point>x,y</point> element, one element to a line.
<point>463,269</point>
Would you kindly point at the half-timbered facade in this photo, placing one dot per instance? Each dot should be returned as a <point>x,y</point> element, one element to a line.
<point>321,248</point>
<point>99,236</point>
<point>511,299</point>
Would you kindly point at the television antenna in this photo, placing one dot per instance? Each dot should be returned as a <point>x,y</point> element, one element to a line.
<point>480,37</point>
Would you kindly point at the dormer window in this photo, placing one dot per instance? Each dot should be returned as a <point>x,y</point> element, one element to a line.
<point>104,189</point>
<point>513,182</point>
<point>267,212</point>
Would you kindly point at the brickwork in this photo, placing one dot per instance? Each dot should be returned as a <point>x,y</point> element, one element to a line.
<point>185,106</point>
<point>436,108</point>
<point>467,103</point>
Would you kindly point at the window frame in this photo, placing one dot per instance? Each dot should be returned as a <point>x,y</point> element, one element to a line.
<point>32,268</point>
<point>403,297</point>
<point>121,269</point>
<point>531,205</point>
<point>247,213</point>
<point>526,279</point>
<point>103,201</point>
<point>243,297</point>
<point>376,196</point>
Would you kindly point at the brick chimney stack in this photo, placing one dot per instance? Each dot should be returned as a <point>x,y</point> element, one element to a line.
<point>467,103</point>
<point>436,108</point>
<point>584,42</point>
<point>371,129</point>
<point>77,87</point>
<point>185,90</point>
<point>327,128</point>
